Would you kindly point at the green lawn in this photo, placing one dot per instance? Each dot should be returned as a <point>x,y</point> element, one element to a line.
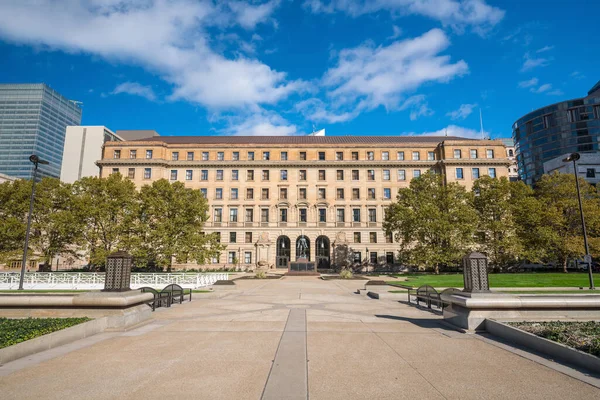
<point>550,279</point>
<point>13,331</point>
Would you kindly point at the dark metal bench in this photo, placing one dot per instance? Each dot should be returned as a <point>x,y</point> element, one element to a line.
<point>447,292</point>
<point>176,292</point>
<point>429,295</point>
<point>160,299</point>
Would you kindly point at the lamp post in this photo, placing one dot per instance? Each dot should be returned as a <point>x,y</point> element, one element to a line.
<point>588,258</point>
<point>36,161</point>
<point>368,260</point>
<point>239,257</point>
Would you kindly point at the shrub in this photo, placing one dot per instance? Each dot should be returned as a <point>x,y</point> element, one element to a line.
<point>346,274</point>
<point>13,331</point>
<point>261,275</point>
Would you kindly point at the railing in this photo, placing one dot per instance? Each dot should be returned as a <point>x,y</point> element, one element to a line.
<point>95,280</point>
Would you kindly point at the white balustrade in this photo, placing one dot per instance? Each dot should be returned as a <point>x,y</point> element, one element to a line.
<point>95,280</point>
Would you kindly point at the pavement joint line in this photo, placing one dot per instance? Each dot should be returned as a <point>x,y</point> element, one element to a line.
<point>274,357</point>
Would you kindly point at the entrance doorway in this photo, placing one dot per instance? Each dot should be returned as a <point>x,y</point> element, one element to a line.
<point>323,252</point>
<point>283,252</point>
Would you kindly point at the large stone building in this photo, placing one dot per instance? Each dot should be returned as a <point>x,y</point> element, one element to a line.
<point>267,192</point>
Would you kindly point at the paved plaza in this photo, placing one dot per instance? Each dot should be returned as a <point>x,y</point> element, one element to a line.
<point>294,338</point>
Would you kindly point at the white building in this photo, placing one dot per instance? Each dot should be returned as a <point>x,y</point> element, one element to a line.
<point>6,178</point>
<point>83,147</point>
<point>513,171</point>
<point>588,166</point>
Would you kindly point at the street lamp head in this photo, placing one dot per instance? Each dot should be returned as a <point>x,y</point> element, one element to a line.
<point>36,160</point>
<point>572,157</point>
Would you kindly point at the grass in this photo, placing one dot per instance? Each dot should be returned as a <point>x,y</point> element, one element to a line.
<point>547,279</point>
<point>13,331</point>
<point>202,291</point>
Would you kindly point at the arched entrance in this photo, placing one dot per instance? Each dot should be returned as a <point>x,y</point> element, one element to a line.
<point>303,247</point>
<point>323,252</point>
<point>283,251</point>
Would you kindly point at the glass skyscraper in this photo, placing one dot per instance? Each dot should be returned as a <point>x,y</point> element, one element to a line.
<point>33,120</point>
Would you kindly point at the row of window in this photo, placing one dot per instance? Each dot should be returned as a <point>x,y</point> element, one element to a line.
<point>233,237</point>
<point>459,173</point>
<point>302,193</point>
<point>357,257</point>
<point>340,215</point>
<point>283,156</point>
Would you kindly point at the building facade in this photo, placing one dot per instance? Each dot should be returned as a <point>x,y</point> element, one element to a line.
<point>33,120</point>
<point>588,166</point>
<point>83,147</point>
<point>513,169</point>
<point>265,193</point>
<point>561,128</point>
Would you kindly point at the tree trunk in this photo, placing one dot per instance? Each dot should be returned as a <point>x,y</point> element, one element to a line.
<point>436,269</point>
<point>565,265</point>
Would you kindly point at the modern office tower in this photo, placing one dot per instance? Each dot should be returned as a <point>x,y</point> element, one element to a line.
<point>33,120</point>
<point>83,147</point>
<point>266,192</point>
<point>561,128</point>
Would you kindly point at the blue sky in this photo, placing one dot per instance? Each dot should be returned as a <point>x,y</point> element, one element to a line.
<point>378,67</point>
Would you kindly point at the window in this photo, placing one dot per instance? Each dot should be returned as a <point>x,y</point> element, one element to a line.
<point>547,120</point>
<point>322,215</point>
<point>220,156</point>
<point>373,255</point>
<point>264,215</point>
<point>265,175</point>
<point>249,194</point>
<point>572,115</point>
<point>355,156</point>
<point>321,193</point>
<point>370,156</point>
<point>205,156</point>
<point>249,218</point>
<point>303,156</point>
<point>173,174</point>
<point>115,170</point>
<point>132,153</point>
<point>204,175</point>
<point>148,153</point>
<point>416,156</point>
<point>371,175</point>
<point>248,257</point>
<point>234,175</point>
<point>357,240</point>
<point>340,194</point>
<point>231,257</point>
<point>457,154</point>
<point>371,194</point>
<point>204,192</point>
<point>475,173</point>
<point>218,214</point>
<point>385,155</point>
<point>284,156</point>
<point>400,156</point>
<point>190,156</point>
<point>473,153</point>
<point>233,215</point>
<point>218,235</point>
<point>283,194</point>
<point>250,156</point>
<point>339,155</point>
<point>117,154</point>
<point>416,173</point>
<point>590,173</point>
<point>597,112</point>
<point>219,193</point>
<point>430,156</point>
<point>219,175</point>
<point>302,193</point>
<point>147,173</point>
<point>175,156</point>
<point>372,215</point>
<point>489,153</point>
<point>235,156</point>
<point>355,194</point>
<point>283,174</point>
<point>264,194</point>
<point>283,214</point>
<point>340,175</point>
<point>266,155</point>
<point>321,156</point>
<point>131,173</point>
<point>459,173</point>
<point>302,175</point>
<point>372,238</point>
<point>303,215</point>
<point>386,174</point>
<point>401,175</point>
<point>188,175</point>
<point>341,216</point>
<point>511,153</point>
<point>250,175</point>
<point>356,215</point>
<point>355,175</point>
<point>387,193</point>
<point>389,237</point>
<point>234,193</point>
<point>248,234</point>
<point>321,174</point>
<point>492,172</point>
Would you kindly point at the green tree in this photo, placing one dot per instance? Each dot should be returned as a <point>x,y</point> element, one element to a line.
<point>171,221</point>
<point>14,204</point>
<point>434,222</point>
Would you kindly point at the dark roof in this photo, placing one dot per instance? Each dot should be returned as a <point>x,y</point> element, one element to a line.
<point>595,88</point>
<point>270,140</point>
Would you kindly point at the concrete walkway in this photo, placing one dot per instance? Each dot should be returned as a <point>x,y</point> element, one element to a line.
<point>295,338</point>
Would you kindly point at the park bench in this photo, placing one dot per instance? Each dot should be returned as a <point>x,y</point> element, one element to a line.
<point>411,291</point>
<point>447,292</point>
<point>160,299</point>
<point>429,295</point>
<point>176,292</point>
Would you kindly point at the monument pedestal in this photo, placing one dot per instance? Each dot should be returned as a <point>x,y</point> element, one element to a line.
<point>302,267</point>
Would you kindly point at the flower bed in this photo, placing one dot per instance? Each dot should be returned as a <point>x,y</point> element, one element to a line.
<point>13,331</point>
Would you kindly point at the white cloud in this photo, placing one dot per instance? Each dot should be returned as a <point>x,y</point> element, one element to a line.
<point>542,88</point>
<point>457,14</point>
<point>463,111</point>
<point>135,89</point>
<point>397,32</point>
<point>544,49</point>
<point>454,130</point>
<point>529,83</point>
<point>166,37</point>
<point>531,62</point>
<point>315,110</point>
<point>418,107</point>
<point>577,75</point>
<point>556,92</point>
<point>261,123</point>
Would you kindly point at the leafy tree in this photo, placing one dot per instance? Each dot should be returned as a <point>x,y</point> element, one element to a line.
<point>14,204</point>
<point>343,257</point>
<point>434,222</point>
